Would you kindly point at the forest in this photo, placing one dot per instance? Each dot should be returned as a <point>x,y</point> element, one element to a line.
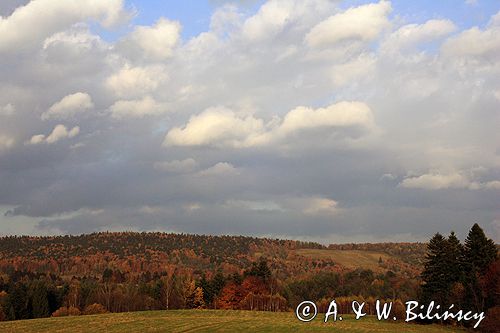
<point>129,271</point>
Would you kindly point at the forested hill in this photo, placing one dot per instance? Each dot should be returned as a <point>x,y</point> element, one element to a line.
<point>136,253</point>
<point>216,248</point>
<point>129,271</point>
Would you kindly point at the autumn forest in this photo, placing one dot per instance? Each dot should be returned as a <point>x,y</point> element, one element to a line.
<point>129,271</point>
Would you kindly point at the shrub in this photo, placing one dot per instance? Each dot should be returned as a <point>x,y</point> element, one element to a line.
<point>64,311</point>
<point>95,308</point>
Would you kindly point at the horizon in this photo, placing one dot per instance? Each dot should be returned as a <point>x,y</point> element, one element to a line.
<point>324,121</point>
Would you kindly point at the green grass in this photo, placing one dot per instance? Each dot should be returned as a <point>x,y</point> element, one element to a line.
<point>348,258</point>
<point>209,321</point>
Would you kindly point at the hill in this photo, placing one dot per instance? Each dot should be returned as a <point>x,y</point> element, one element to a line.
<point>127,271</point>
<point>135,253</point>
<point>209,321</point>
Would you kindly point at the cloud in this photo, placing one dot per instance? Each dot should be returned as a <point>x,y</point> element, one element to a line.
<point>50,16</point>
<point>475,42</point>
<point>177,166</point>
<point>437,181</point>
<point>270,19</point>
<point>341,114</point>
<point>363,23</point>
<point>58,133</point>
<point>138,108</point>
<point>411,35</point>
<point>136,81</point>
<point>355,70</point>
<point>260,206</point>
<point>5,142</point>
<point>216,126</point>
<point>154,42</point>
<point>222,127</point>
<point>219,169</point>
<point>69,106</point>
<point>320,206</point>
<point>301,121</point>
<point>7,110</point>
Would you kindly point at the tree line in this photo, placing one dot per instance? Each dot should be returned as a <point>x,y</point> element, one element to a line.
<point>466,275</point>
<point>25,295</point>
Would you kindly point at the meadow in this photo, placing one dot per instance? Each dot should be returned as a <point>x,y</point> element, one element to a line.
<point>350,259</point>
<point>210,321</point>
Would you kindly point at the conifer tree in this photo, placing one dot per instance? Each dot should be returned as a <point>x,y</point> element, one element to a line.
<point>434,276</point>
<point>478,253</point>
<point>40,302</point>
<point>454,259</point>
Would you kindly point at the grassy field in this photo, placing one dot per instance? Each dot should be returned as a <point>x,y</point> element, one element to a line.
<point>348,258</point>
<point>209,321</point>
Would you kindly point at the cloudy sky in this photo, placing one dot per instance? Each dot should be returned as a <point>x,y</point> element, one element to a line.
<point>322,120</point>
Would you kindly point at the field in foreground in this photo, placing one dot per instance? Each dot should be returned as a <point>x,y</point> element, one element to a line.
<point>208,321</point>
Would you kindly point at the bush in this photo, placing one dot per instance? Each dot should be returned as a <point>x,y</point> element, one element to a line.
<point>72,311</point>
<point>95,308</point>
<point>64,311</point>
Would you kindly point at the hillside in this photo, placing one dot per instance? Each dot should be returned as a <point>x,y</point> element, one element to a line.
<point>209,321</point>
<point>138,252</point>
<point>127,271</point>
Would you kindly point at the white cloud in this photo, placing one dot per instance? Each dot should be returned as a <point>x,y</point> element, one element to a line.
<point>31,24</point>
<point>342,114</point>
<point>136,81</point>
<point>222,127</point>
<point>493,185</point>
<point>455,180</point>
<point>7,110</point>
<point>6,142</point>
<point>436,181</point>
<point>154,42</point>
<point>58,133</point>
<point>282,16</point>
<point>138,108</point>
<point>318,205</point>
<point>411,35</point>
<point>362,67</point>
<point>216,126</point>
<point>270,19</point>
<point>363,23</point>
<point>69,106</point>
<point>177,166</point>
<point>219,169</point>
<point>475,42</point>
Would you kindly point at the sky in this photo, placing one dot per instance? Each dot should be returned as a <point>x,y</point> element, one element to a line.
<point>322,120</point>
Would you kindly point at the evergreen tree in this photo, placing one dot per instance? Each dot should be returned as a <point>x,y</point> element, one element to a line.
<point>18,302</point>
<point>454,262</point>
<point>218,283</point>
<point>259,269</point>
<point>208,294</point>
<point>478,253</point>
<point>434,276</point>
<point>39,299</point>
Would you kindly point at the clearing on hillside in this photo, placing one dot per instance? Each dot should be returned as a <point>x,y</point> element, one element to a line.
<point>351,259</point>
